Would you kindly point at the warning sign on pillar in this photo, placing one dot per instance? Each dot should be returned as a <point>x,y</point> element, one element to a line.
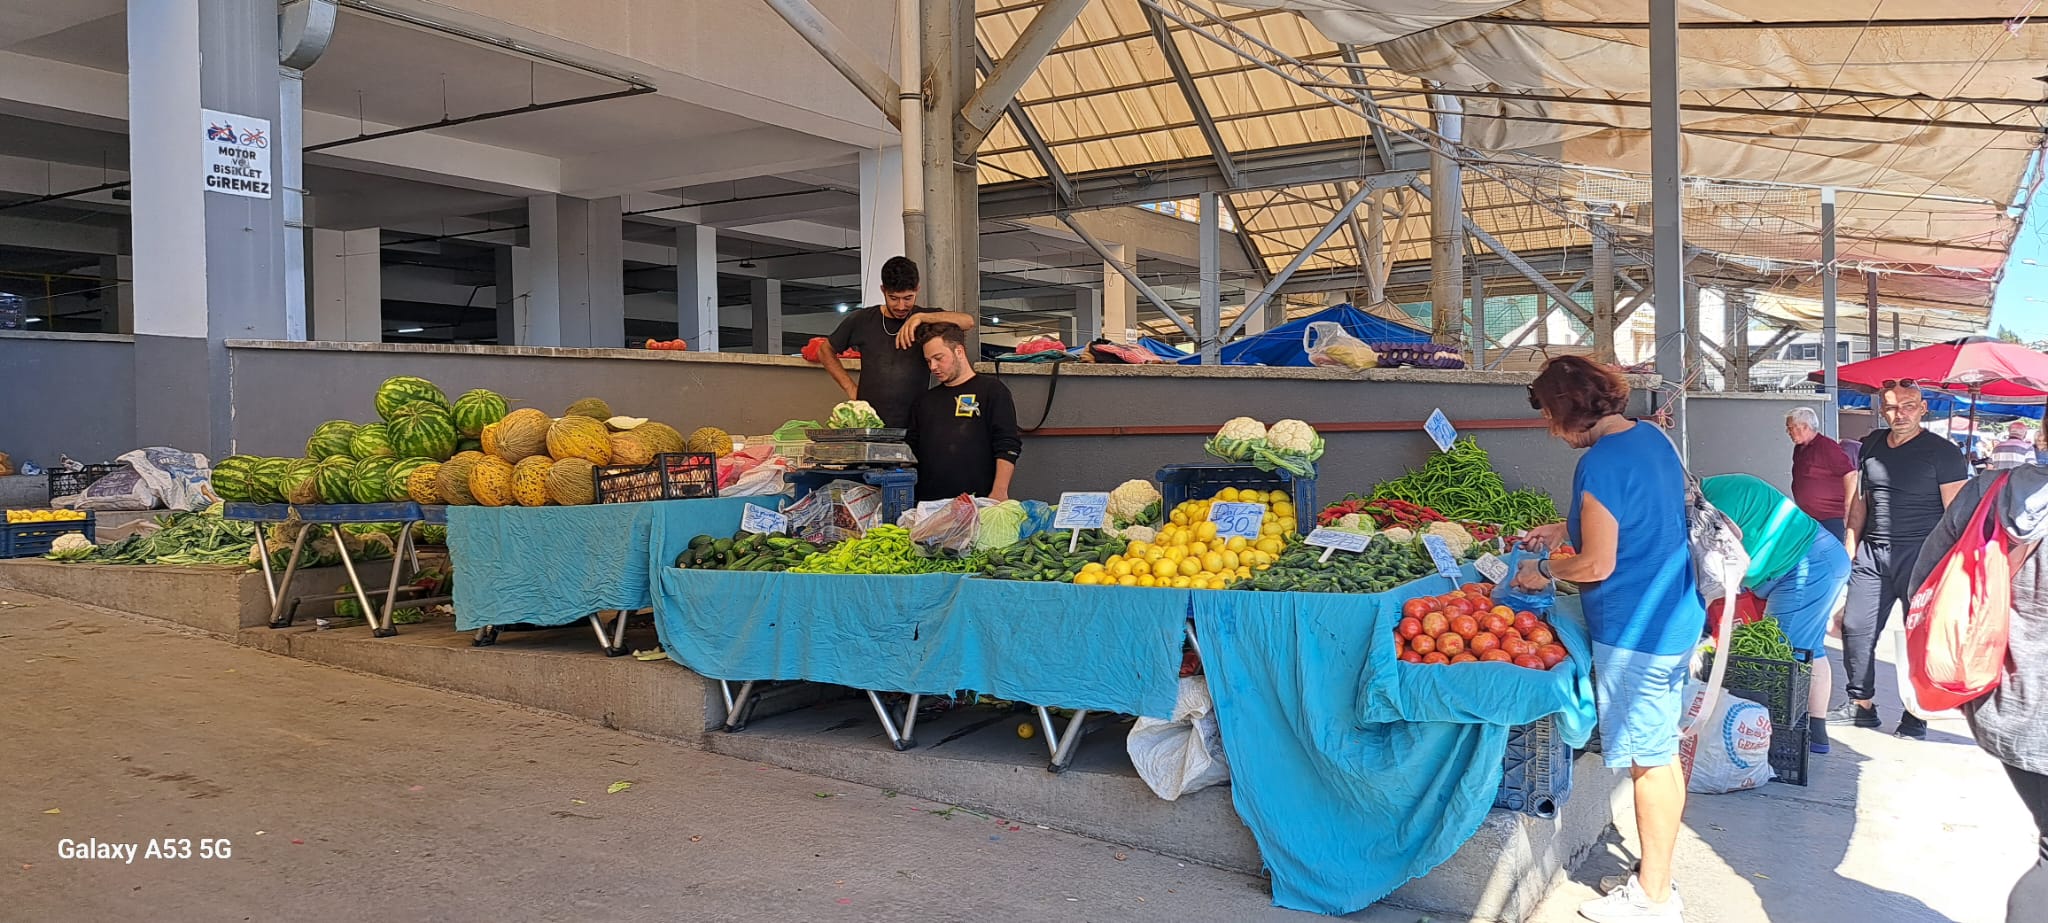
<point>237,154</point>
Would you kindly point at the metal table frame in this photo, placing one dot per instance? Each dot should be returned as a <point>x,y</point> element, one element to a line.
<point>610,637</point>
<point>1061,744</point>
<point>334,516</point>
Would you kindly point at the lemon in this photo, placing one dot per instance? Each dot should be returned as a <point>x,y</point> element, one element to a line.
<point>1244,571</point>
<point>1226,495</point>
<point>1182,583</point>
<point>1284,510</point>
<point>1230,560</point>
<point>1190,567</point>
<point>1277,496</point>
<point>1141,568</point>
<point>1126,580</point>
<point>1148,580</point>
<point>1120,569</point>
<point>1270,545</point>
<point>1205,531</point>
<point>1236,543</point>
<point>1178,518</point>
<point>1085,578</point>
<point>1026,731</point>
<point>1091,568</point>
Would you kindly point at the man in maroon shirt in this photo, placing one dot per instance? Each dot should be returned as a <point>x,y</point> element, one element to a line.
<point>1822,474</point>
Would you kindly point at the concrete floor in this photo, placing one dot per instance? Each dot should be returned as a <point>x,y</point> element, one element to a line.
<point>347,795</point>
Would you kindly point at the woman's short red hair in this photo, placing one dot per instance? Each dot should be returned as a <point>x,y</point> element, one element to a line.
<point>1577,392</point>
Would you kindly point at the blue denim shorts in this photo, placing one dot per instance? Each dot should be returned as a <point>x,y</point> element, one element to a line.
<point>1640,697</point>
<point>1804,598</point>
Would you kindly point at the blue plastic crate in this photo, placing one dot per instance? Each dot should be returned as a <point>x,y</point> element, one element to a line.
<point>898,486</point>
<point>1181,483</point>
<point>29,539</point>
<point>1536,772</point>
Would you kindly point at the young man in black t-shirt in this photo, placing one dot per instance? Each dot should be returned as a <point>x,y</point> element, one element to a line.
<point>1906,478</point>
<point>964,430</point>
<point>892,372</point>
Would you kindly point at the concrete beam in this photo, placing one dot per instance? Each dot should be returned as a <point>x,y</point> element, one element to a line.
<point>1155,236</point>
<point>733,156</point>
<point>1186,179</point>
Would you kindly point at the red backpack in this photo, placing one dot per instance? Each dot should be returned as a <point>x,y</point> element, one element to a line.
<point>1957,621</point>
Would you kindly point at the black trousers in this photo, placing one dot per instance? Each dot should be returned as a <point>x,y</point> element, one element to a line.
<point>2029,900</point>
<point>1877,581</point>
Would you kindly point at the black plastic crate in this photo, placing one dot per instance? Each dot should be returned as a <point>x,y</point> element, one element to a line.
<point>1781,686</point>
<point>898,486</point>
<point>673,476</point>
<point>1181,483</point>
<point>1536,772</point>
<point>65,483</point>
<point>30,539</point>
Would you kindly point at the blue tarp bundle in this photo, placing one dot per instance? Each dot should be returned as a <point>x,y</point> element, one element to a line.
<point>1282,345</point>
<point>1113,649</point>
<point>554,565</point>
<point>1941,402</point>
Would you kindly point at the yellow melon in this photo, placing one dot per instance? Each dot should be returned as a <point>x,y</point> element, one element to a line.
<point>660,436</point>
<point>424,486</point>
<point>580,437</point>
<point>631,449</point>
<point>521,435</point>
<point>453,478</point>
<point>490,481</point>
<point>571,482</point>
<point>530,481</point>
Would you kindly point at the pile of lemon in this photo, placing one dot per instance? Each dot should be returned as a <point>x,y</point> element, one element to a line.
<point>16,516</point>
<point>1188,555</point>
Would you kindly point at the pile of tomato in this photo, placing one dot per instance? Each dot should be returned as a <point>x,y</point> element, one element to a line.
<point>1464,626</point>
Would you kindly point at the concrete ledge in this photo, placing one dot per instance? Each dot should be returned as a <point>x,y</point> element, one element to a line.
<point>218,600</point>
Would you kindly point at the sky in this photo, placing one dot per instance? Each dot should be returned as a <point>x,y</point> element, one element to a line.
<point>2026,278</point>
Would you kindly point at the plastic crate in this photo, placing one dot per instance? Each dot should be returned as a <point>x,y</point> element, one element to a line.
<point>898,485</point>
<point>1181,483</point>
<point>29,539</point>
<point>1536,773</point>
<point>673,476</point>
<point>1781,686</point>
<point>66,483</point>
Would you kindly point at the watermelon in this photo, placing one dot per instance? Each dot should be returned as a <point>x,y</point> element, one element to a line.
<point>298,472</point>
<point>394,491</point>
<point>469,445</point>
<point>373,479</point>
<point>334,479</point>
<point>264,481</point>
<point>401,390</point>
<point>370,441</point>
<point>231,477</point>
<point>421,430</point>
<point>330,439</point>
<point>476,409</point>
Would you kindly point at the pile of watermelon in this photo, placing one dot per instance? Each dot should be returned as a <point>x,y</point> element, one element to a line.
<point>348,462</point>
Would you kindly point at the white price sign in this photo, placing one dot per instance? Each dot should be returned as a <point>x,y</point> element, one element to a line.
<point>1238,520</point>
<point>1336,540</point>
<point>1082,511</point>
<point>1440,552</point>
<point>759,520</point>
<point>1493,568</point>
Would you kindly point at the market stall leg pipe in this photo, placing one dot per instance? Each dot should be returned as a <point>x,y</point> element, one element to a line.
<point>1831,381</point>
<point>1063,755</point>
<point>1668,230</point>
<point>1052,734</point>
<point>291,566</point>
<point>355,583</point>
<point>398,557</point>
<point>900,741</point>
<point>910,722</point>
<point>263,557</point>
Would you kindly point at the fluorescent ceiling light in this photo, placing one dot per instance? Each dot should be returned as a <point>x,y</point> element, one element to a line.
<point>412,330</point>
<point>842,309</point>
<point>33,320</point>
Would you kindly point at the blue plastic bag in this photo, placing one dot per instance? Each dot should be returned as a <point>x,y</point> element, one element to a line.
<point>1039,518</point>
<point>1507,594</point>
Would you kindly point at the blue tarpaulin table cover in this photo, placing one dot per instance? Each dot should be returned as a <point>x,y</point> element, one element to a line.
<point>555,565</point>
<point>1111,649</point>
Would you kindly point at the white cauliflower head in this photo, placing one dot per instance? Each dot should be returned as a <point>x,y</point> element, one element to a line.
<point>1134,501</point>
<point>1240,440</point>
<point>1454,535</point>
<point>1292,436</point>
<point>1242,428</point>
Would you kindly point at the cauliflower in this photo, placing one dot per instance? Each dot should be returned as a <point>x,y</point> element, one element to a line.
<point>1239,440</point>
<point>1356,522</point>
<point>854,415</point>
<point>1134,502</point>
<point>1290,445</point>
<point>1145,534</point>
<point>1292,436</point>
<point>1454,536</point>
<point>71,546</point>
<point>1399,534</point>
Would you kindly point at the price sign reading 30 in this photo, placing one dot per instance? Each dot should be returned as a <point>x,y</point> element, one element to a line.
<point>1238,520</point>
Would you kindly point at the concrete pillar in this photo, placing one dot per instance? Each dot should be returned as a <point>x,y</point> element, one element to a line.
<point>881,217</point>
<point>1735,338</point>
<point>117,295</point>
<point>1209,319</point>
<point>1119,299</point>
<point>697,287</point>
<point>208,223</point>
<point>952,278</point>
<point>578,281</point>
<point>1603,299</point>
<point>1447,224</point>
<point>1087,326</point>
<point>514,294</point>
<point>1692,337</point>
<point>348,285</point>
<point>767,303</point>
<point>541,323</point>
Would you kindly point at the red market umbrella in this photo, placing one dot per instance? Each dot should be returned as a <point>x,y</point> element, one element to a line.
<point>1971,365</point>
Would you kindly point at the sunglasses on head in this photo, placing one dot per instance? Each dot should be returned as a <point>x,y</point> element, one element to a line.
<point>1890,383</point>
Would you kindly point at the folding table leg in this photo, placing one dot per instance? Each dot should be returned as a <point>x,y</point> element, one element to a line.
<point>1069,742</point>
<point>485,636</point>
<point>263,557</point>
<point>737,707</point>
<point>277,617</point>
<point>397,566</point>
<point>378,629</point>
<point>900,741</point>
<point>612,638</point>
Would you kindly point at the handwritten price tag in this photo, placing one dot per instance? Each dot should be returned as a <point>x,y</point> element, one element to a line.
<point>1493,568</point>
<point>1440,552</point>
<point>1440,429</point>
<point>1081,511</point>
<point>1333,540</point>
<point>1238,520</point>
<point>758,520</point>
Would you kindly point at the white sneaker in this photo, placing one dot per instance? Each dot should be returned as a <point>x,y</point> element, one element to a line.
<point>1630,905</point>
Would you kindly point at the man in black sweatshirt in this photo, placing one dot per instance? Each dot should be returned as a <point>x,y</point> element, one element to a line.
<point>964,430</point>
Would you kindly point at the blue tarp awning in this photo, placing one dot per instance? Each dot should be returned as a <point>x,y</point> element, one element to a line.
<point>1281,346</point>
<point>1943,403</point>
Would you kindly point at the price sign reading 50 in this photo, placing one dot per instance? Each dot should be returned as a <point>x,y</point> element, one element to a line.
<point>1238,520</point>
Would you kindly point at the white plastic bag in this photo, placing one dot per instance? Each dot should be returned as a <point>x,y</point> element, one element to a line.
<point>123,489</point>
<point>1185,754</point>
<point>1906,694</point>
<point>949,524</point>
<point>182,480</point>
<point>1329,345</point>
<point>1731,750</point>
<point>835,512</point>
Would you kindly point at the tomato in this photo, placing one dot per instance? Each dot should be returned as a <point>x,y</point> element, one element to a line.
<point>1464,658</point>
<point>1496,622</point>
<point>1435,659</point>
<point>1530,661</point>
<point>1525,621</point>
<point>1435,623</point>
<point>1410,657</point>
<point>1496,655</point>
<point>1483,642</point>
<point>1503,612</point>
<point>1542,635</point>
<point>1409,628</point>
<point>1518,648</point>
<point>1450,644</point>
<point>1458,607</point>
<point>1455,594</point>
<point>1509,634</point>
<point>1465,626</point>
<point>1423,644</point>
<point>1477,589</point>
<point>1551,655</point>
<point>1415,608</point>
